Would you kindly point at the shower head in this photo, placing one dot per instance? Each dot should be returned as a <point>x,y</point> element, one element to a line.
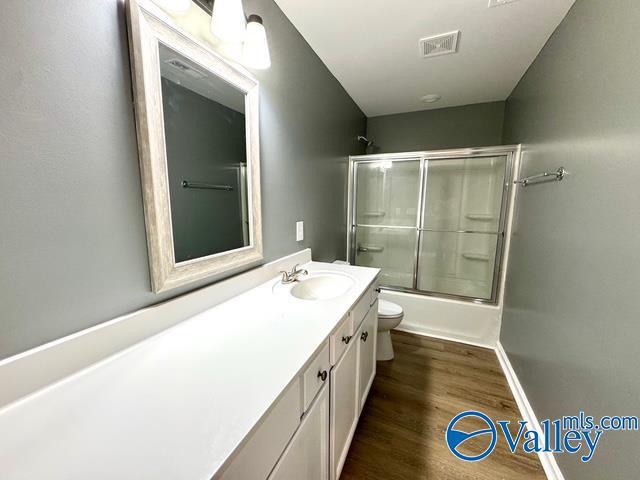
<point>365,139</point>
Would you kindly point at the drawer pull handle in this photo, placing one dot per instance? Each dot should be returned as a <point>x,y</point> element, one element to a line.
<point>322,375</point>
<point>346,339</point>
<point>364,336</point>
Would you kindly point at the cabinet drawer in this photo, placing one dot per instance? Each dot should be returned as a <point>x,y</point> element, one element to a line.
<point>362,305</point>
<point>341,339</point>
<point>373,291</point>
<point>264,446</point>
<point>316,375</point>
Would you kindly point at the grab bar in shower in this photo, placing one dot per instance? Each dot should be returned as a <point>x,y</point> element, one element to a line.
<point>206,186</point>
<point>558,175</point>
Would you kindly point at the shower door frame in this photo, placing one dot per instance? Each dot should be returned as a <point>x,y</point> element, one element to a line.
<point>424,157</point>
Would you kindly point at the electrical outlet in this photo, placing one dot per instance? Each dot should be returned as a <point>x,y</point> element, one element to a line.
<point>299,231</point>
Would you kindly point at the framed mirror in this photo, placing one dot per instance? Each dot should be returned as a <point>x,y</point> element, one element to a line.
<point>197,127</point>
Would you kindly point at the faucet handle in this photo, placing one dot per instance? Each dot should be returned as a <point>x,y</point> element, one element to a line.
<point>294,269</point>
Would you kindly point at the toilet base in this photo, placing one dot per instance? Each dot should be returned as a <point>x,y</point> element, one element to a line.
<point>384,348</point>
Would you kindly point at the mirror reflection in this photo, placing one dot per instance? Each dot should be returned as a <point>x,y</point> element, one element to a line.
<point>205,136</point>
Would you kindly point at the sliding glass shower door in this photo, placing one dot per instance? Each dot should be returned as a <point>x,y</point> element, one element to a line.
<point>461,230</point>
<point>433,223</point>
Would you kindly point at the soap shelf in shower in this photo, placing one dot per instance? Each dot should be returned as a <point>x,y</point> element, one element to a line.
<point>374,214</point>
<point>481,217</point>
<point>478,257</point>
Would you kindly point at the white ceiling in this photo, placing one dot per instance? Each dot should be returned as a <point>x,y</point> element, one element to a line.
<point>371,46</point>
<point>206,83</point>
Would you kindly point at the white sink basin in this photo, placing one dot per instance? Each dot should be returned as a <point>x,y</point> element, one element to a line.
<point>316,286</point>
<point>321,286</point>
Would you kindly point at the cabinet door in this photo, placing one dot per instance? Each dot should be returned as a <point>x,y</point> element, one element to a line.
<point>367,363</point>
<point>344,405</point>
<point>307,456</point>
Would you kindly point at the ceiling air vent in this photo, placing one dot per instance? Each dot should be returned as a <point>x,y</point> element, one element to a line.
<point>439,45</point>
<point>184,68</point>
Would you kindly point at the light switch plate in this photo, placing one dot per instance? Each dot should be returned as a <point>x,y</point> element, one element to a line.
<point>299,231</point>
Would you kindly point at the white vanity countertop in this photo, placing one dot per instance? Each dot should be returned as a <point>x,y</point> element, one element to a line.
<point>176,405</point>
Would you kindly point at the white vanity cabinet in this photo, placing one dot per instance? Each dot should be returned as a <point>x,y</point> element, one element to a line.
<point>352,375</point>
<point>307,455</point>
<point>320,410</point>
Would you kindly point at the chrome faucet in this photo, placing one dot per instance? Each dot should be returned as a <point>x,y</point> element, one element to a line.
<point>292,276</point>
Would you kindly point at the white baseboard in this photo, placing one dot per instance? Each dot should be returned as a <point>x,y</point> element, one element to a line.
<point>547,459</point>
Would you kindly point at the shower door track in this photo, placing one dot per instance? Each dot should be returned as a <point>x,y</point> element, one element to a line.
<point>510,151</point>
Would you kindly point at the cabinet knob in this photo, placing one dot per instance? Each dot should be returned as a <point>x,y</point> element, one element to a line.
<point>364,336</point>
<point>346,339</point>
<point>322,375</point>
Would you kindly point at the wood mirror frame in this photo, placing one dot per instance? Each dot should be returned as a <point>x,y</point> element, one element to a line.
<point>148,26</point>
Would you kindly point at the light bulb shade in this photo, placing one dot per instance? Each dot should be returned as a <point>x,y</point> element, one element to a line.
<point>174,6</point>
<point>228,22</point>
<point>255,51</point>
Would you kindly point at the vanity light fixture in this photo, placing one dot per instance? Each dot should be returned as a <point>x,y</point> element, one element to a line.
<point>255,51</point>
<point>176,7</point>
<point>228,22</point>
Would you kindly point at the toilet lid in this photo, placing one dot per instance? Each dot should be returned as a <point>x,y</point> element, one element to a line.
<point>388,309</point>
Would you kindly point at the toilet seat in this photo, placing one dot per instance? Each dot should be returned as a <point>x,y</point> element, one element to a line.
<point>388,309</point>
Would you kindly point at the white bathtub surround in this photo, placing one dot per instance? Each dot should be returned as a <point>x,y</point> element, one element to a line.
<point>178,404</point>
<point>454,320</point>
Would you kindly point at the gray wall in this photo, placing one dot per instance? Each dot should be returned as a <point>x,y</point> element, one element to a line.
<point>571,320</point>
<point>72,243</point>
<point>478,125</point>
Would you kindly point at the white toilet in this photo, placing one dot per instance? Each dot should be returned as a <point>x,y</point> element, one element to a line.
<point>389,316</point>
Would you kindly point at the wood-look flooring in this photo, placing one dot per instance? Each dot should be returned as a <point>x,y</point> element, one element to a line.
<point>401,433</point>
